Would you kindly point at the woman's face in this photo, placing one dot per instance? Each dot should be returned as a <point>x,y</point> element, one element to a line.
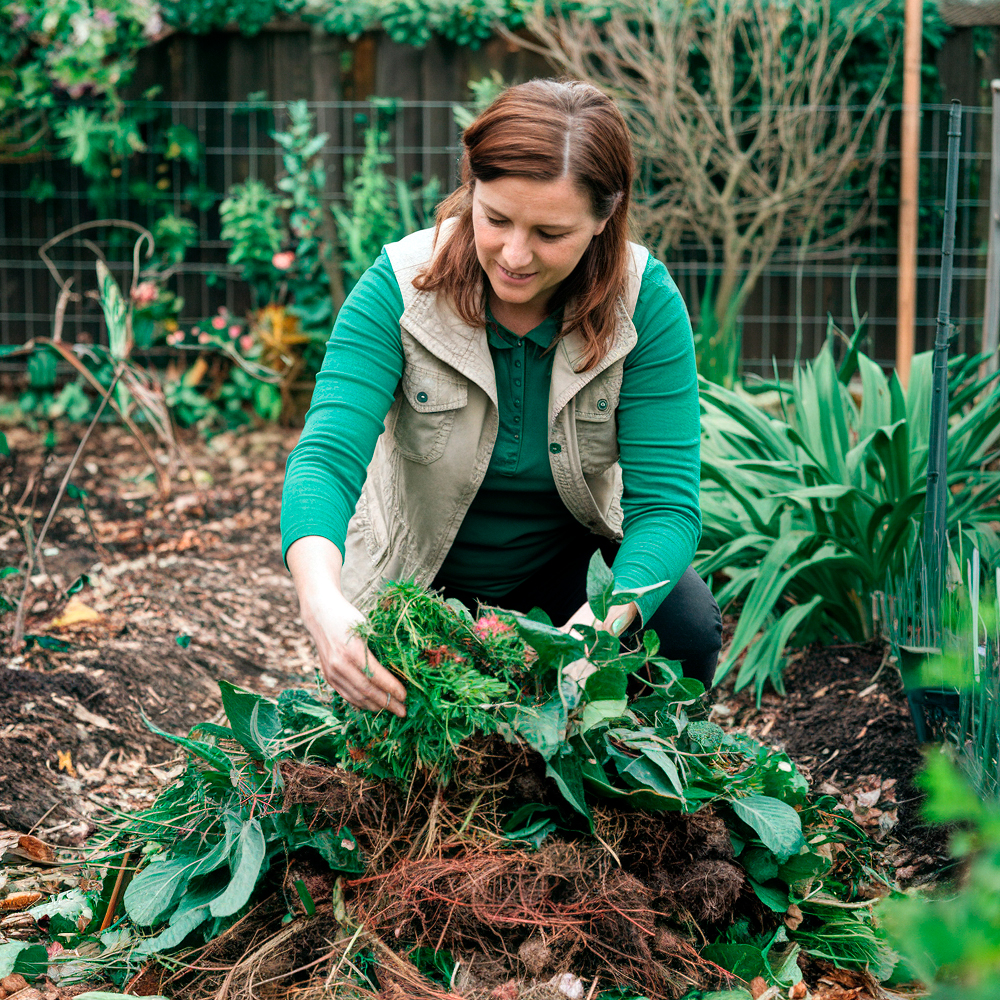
<point>530,235</point>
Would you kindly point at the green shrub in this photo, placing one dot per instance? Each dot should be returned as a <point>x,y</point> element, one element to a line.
<point>807,513</point>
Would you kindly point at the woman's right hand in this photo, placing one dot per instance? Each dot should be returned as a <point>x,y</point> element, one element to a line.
<point>347,663</point>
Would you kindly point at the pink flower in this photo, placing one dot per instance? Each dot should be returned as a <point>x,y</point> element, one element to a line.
<point>175,338</point>
<point>246,343</point>
<point>283,260</point>
<point>218,322</point>
<point>234,332</point>
<point>145,293</point>
<point>203,337</point>
<point>490,625</point>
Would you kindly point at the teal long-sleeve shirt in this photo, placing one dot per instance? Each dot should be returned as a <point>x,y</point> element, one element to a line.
<point>517,519</point>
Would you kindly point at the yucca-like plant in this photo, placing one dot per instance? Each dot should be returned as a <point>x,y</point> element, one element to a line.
<point>806,514</point>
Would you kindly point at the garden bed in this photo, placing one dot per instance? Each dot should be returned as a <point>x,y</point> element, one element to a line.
<point>190,590</point>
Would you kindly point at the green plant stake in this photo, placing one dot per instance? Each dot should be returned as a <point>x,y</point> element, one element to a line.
<point>935,511</point>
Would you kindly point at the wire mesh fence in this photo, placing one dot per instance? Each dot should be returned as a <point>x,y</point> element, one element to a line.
<point>786,315</point>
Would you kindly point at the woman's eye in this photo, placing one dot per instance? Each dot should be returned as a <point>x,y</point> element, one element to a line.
<point>552,236</point>
<point>494,222</point>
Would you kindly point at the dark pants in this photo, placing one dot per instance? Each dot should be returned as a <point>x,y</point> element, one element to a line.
<point>687,623</point>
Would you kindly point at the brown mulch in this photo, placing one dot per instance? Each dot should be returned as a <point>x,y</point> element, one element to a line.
<point>202,566</point>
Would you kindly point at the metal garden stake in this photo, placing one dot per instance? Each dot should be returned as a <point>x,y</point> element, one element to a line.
<point>935,534</point>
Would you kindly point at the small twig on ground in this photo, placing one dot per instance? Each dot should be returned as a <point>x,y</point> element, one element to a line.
<point>17,640</point>
<point>109,914</point>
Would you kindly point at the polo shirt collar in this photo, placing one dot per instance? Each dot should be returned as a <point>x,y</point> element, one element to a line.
<point>500,337</point>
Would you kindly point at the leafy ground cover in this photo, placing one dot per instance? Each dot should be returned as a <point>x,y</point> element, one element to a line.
<point>197,566</point>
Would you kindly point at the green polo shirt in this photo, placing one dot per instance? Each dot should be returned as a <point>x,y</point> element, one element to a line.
<point>516,520</point>
<point>517,511</point>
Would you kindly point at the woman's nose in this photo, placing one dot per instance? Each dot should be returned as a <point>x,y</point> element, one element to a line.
<point>516,252</point>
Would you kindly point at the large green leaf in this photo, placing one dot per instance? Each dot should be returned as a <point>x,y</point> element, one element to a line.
<point>155,890</point>
<point>245,868</point>
<point>777,824</point>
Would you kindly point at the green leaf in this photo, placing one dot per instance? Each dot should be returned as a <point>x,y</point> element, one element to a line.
<point>338,848</point>
<point>155,890</point>
<point>542,728</point>
<point>773,897</point>
<point>306,897</point>
<point>9,951</point>
<point>564,769</point>
<point>255,720</point>
<point>49,642</point>
<point>182,923</point>
<point>4,447</point>
<point>600,586</point>
<point>596,712</point>
<point>778,825</point>
<point>183,641</point>
<point>213,755</point>
<point>246,869</point>
<point>607,683</point>
<point>554,647</point>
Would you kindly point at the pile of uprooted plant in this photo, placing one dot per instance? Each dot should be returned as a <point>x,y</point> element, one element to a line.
<point>552,818</point>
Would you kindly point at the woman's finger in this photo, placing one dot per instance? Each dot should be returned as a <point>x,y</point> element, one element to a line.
<point>376,691</point>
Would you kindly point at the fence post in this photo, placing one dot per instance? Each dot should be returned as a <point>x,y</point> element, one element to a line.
<point>991,317</point>
<point>935,533</point>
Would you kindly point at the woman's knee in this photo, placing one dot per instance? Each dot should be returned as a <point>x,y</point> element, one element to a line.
<point>688,622</point>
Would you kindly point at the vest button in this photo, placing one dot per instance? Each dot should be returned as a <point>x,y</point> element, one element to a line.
<point>555,447</point>
<point>602,404</point>
<point>421,397</point>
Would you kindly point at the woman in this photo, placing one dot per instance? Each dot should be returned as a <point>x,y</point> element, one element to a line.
<point>502,396</point>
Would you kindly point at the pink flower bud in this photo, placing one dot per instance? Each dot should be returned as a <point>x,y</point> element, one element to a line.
<point>234,332</point>
<point>203,337</point>
<point>283,260</point>
<point>218,322</point>
<point>246,343</point>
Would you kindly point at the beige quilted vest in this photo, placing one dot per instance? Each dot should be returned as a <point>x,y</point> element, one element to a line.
<point>440,431</point>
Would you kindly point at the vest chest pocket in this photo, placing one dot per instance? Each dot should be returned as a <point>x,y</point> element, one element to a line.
<point>427,413</point>
<point>596,426</point>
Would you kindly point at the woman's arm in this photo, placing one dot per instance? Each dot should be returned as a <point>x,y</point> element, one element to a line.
<point>348,665</point>
<point>326,471</point>
<point>659,435</point>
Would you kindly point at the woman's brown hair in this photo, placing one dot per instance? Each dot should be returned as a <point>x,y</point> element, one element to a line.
<point>544,130</point>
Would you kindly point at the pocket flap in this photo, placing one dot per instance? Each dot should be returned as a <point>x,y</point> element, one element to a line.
<point>598,400</point>
<point>430,392</point>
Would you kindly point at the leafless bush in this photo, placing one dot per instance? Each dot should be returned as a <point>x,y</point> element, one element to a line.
<point>744,155</point>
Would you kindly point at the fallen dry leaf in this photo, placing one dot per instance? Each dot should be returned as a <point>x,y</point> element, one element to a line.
<point>19,901</point>
<point>66,763</point>
<point>34,849</point>
<point>758,987</point>
<point>75,613</point>
<point>14,982</point>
